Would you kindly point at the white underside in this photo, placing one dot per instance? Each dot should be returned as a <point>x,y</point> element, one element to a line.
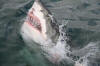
<point>30,33</point>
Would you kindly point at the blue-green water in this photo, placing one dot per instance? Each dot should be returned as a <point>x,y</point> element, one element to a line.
<point>83,18</point>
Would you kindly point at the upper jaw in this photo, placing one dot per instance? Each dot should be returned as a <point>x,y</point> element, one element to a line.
<point>40,19</point>
<point>34,20</point>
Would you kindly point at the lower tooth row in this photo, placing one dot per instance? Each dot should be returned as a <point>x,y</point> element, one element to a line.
<point>34,23</point>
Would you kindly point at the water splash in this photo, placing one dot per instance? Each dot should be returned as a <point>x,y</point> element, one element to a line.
<point>89,51</point>
<point>57,52</point>
<point>60,51</point>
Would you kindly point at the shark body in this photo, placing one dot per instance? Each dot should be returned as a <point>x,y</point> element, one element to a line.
<point>39,25</point>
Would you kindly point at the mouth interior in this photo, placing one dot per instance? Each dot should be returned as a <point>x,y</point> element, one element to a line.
<point>34,21</point>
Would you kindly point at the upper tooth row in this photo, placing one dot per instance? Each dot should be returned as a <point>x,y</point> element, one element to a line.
<point>33,21</point>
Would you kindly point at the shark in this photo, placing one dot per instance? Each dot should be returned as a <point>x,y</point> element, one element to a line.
<point>40,25</point>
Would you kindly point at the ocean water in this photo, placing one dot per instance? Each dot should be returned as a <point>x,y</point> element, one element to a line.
<point>83,23</point>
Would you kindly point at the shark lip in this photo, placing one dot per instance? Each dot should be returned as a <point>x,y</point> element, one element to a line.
<point>34,21</point>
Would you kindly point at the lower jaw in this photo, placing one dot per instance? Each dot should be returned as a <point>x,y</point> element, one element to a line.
<point>32,33</point>
<point>32,26</point>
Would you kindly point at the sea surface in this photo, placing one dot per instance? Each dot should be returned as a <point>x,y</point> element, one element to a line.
<point>83,29</point>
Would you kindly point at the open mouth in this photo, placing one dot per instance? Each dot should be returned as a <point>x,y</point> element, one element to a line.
<point>34,21</point>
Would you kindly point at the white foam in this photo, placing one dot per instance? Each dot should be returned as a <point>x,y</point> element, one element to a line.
<point>57,52</point>
<point>92,50</point>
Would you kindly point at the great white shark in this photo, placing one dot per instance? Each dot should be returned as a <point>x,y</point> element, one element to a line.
<point>40,25</point>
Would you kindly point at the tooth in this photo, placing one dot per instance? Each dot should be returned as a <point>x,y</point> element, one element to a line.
<point>31,19</point>
<point>38,24</point>
<point>34,22</point>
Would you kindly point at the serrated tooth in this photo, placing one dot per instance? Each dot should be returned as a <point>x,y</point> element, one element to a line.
<point>33,22</point>
<point>31,19</point>
<point>38,24</point>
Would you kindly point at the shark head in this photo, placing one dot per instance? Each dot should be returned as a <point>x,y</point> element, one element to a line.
<point>41,26</point>
<point>40,23</point>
